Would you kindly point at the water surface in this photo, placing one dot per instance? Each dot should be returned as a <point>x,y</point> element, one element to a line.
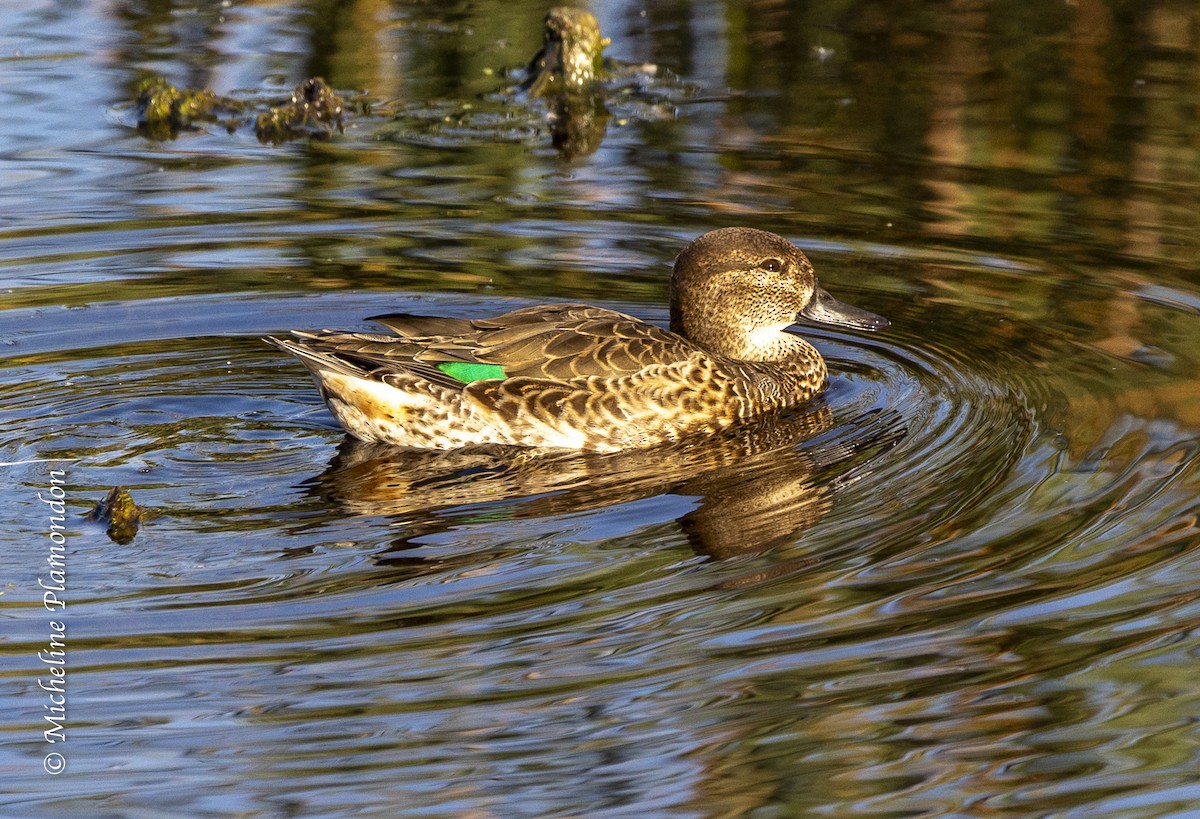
<point>962,581</point>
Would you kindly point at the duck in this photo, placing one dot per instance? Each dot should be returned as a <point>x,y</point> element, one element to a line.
<point>579,377</point>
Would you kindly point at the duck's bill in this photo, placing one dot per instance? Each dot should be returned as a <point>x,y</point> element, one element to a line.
<point>825,309</point>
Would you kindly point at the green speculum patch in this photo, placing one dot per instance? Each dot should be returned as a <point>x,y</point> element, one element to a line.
<point>467,372</point>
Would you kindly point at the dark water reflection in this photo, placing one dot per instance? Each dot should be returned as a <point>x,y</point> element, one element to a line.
<point>963,581</point>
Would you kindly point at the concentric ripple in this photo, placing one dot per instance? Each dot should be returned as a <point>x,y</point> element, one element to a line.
<point>927,558</point>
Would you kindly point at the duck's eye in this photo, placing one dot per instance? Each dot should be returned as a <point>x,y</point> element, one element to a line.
<point>771,265</point>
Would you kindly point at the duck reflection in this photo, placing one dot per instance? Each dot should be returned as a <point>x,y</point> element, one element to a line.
<point>756,487</point>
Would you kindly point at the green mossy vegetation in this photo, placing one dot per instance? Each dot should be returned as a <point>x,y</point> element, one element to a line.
<point>120,514</point>
<point>314,110</point>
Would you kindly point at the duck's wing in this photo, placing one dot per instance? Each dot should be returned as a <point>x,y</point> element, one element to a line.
<point>360,355</point>
<point>555,342</point>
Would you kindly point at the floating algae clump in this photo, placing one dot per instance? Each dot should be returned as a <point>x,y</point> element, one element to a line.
<point>120,513</point>
<point>164,110</point>
<point>314,110</point>
<point>565,73</point>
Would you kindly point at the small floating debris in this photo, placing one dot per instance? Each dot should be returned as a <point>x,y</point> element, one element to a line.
<point>121,515</point>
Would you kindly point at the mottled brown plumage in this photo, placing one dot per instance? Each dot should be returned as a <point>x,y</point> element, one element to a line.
<point>579,377</point>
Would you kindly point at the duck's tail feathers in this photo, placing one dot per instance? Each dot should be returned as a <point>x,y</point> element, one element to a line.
<point>317,361</point>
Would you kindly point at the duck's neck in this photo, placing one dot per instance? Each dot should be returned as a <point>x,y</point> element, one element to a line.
<point>773,344</point>
<point>736,342</point>
<point>782,368</point>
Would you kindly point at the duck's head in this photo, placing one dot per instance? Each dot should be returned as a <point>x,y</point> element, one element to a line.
<point>736,290</point>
